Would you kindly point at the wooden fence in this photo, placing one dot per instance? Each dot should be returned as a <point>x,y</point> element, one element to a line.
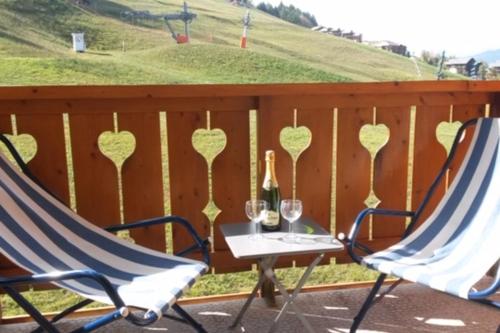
<point>67,122</point>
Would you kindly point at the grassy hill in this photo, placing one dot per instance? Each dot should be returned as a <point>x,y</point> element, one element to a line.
<point>35,47</point>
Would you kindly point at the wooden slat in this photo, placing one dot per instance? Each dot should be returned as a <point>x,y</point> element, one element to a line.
<point>357,100</point>
<point>142,179</point>
<point>314,167</point>
<point>231,170</point>
<point>428,156</point>
<point>204,90</point>
<point>96,180</point>
<point>49,164</point>
<point>188,175</point>
<point>495,104</point>
<point>5,124</point>
<point>270,122</point>
<point>463,113</point>
<point>123,105</point>
<point>353,168</point>
<point>391,170</point>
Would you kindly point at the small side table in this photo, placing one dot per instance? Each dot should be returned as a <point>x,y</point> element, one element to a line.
<point>313,239</point>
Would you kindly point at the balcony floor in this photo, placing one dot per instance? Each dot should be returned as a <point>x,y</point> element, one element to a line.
<point>410,308</point>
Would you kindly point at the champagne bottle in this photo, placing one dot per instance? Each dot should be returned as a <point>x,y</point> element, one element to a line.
<point>271,193</point>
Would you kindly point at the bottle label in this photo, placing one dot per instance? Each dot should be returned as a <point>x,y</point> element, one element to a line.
<point>272,219</point>
<point>268,184</point>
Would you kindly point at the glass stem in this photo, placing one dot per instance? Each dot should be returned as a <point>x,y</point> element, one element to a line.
<point>290,230</point>
<point>257,229</point>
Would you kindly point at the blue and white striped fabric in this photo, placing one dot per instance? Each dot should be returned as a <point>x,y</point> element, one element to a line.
<point>454,248</point>
<point>41,235</point>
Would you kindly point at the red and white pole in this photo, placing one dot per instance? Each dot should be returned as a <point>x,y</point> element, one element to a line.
<point>246,23</point>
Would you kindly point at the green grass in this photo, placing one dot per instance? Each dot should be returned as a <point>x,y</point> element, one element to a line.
<point>35,46</point>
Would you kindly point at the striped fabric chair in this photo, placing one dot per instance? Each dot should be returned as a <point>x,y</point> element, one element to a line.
<point>47,239</point>
<point>458,243</point>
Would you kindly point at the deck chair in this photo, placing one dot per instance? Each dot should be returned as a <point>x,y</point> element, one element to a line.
<point>47,239</point>
<point>456,246</point>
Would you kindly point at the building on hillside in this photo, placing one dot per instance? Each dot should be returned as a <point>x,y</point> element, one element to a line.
<point>390,46</point>
<point>465,66</point>
<point>495,67</point>
<point>339,33</point>
<point>352,36</point>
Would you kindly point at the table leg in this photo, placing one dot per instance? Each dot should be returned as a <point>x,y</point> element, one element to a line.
<point>265,262</point>
<point>290,298</point>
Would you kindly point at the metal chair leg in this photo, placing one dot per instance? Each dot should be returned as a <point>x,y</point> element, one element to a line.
<point>30,309</point>
<point>368,302</point>
<point>190,320</point>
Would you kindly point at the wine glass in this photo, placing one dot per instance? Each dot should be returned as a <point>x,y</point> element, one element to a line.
<point>256,211</point>
<point>291,210</point>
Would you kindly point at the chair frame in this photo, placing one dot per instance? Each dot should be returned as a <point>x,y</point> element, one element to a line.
<point>120,311</point>
<point>352,244</point>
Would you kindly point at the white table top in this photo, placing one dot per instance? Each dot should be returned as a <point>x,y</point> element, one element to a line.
<point>313,239</point>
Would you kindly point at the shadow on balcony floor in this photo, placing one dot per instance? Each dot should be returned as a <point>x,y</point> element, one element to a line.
<point>411,308</point>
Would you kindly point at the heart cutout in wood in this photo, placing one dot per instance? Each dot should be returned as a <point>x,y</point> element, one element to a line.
<point>117,146</point>
<point>374,137</point>
<point>25,144</point>
<point>209,142</point>
<point>295,140</point>
<point>446,132</point>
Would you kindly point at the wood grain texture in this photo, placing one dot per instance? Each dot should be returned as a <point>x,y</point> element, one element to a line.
<point>355,99</point>
<point>495,104</point>
<point>142,178</point>
<point>270,121</point>
<point>49,164</point>
<point>391,170</point>
<point>122,105</point>
<point>5,124</point>
<point>231,170</point>
<point>96,178</point>
<point>463,113</point>
<point>314,166</point>
<point>90,111</point>
<point>353,168</point>
<point>428,155</point>
<point>219,90</point>
<point>188,173</point>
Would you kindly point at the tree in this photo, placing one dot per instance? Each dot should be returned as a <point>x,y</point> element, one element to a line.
<point>289,13</point>
<point>430,57</point>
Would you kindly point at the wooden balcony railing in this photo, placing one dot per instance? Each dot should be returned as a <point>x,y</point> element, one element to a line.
<point>333,176</point>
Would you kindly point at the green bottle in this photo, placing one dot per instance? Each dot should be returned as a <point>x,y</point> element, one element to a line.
<point>271,193</point>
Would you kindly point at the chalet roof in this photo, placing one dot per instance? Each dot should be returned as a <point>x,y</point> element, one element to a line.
<point>459,61</point>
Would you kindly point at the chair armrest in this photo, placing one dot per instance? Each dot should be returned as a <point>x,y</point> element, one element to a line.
<point>351,242</point>
<point>66,275</point>
<point>200,243</point>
